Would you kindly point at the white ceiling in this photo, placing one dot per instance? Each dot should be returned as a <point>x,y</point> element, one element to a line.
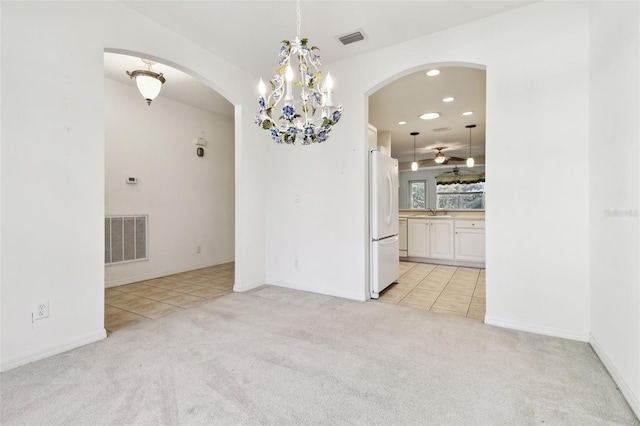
<point>179,86</point>
<point>248,35</point>
<point>408,97</point>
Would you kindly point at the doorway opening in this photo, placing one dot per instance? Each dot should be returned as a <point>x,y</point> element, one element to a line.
<point>441,196</point>
<point>169,194</point>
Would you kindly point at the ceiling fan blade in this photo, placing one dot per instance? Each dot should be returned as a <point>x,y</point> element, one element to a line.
<point>426,160</point>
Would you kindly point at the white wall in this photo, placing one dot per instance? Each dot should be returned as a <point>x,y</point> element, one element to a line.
<point>537,103</point>
<point>53,160</point>
<point>429,175</point>
<point>189,199</point>
<point>538,87</point>
<point>614,180</point>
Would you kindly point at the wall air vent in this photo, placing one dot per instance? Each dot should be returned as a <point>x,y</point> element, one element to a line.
<point>351,38</point>
<point>125,239</point>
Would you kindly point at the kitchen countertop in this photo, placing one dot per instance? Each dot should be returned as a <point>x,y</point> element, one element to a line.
<point>441,214</point>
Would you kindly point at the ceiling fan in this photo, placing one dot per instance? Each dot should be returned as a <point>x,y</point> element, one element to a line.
<point>440,158</point>
<point>456,171</point>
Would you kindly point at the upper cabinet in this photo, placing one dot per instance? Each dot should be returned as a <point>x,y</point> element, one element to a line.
<point>380,140</point>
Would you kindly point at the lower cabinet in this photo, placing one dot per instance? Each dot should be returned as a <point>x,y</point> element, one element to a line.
<point>441,239</point>
<point>430,238</point>
<point>418,238</point>
<point>470,241</point>
<point>446,239</point>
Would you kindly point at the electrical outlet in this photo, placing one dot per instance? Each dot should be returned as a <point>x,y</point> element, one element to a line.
<point>296,264</point>
<point>41,310</point>
<point>198,250</point>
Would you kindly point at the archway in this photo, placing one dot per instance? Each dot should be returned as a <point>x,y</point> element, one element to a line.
<point>446,268</point>
<point>163,200</point>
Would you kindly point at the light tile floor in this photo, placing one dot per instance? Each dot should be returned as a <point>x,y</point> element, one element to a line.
<point>443,289</point>
<point>130,304</point>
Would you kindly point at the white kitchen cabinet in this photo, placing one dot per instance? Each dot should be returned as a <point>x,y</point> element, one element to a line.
<point>418,238</point>
<point>430,238</point>
<point>470,240</point>
<point>441,238</point>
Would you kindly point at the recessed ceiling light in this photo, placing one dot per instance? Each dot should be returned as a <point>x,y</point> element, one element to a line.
<point>402,122</point>
<point>433,73</point>
<point>467,113</point>
<point>430,115</point>
<point>448,99</point>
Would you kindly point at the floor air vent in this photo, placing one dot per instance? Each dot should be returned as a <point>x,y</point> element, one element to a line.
<point>351,38</point>
<point>125,239</point>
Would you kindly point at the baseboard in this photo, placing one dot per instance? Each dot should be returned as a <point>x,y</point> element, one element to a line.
<point>342,294</point>
<point>545,330</point>
<point>247,287</point>
<point>631,398</point>
<point>462,263</point>
<point>129,280</point>
<point>20,360</point>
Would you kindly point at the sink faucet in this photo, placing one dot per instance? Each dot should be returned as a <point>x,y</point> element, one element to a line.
<point>432,211</point>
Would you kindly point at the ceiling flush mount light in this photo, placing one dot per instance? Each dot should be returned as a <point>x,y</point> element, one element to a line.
<point>467,113</point>
<point>308,115</point>
<point>429,116</point>
<point>447,99</point>
<point>433,72</point>
<point>440,157</point>
<point>470,162</point>
<point>402,123</point>
<point>414,165</point>
<point>149,83</point>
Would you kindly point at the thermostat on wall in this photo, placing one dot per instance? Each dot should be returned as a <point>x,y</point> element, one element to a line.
<point>131,179</point>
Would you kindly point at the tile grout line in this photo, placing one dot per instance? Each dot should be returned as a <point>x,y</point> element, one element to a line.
<point>212,276</point>
<point>448,282</point>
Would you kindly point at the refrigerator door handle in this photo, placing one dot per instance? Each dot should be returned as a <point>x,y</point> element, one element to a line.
<point>389,241</point>
<point>390,197</point>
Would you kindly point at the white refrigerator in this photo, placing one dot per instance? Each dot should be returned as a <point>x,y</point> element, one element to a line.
<point>383,222</point>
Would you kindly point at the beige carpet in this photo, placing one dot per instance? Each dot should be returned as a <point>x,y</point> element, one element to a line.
<point>283,357</point>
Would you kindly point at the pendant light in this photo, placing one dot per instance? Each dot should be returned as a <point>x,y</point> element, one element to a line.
<point>470,161</point>
<point>414,165</point>
<point>149,83</point>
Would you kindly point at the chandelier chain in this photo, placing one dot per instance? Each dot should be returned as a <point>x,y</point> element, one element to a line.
<point>298,19</point>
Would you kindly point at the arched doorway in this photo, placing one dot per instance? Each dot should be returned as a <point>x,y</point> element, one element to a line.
<point>169,194</point>
<point>441,211</point>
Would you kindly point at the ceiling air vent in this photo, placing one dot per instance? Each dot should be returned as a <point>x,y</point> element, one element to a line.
<point>442,129</point>
<point>351,38</point>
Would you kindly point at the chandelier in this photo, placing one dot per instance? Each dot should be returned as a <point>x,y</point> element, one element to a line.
<point>301,110</point>
<point>149,83</point>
